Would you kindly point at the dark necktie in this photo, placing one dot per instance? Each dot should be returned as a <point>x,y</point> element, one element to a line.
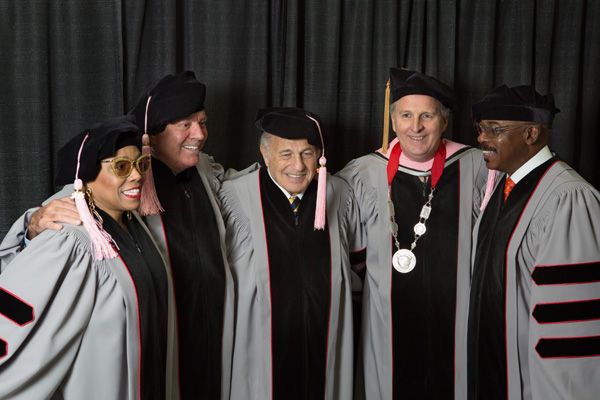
<point>295,204</point>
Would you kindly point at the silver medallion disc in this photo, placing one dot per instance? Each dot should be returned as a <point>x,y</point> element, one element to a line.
<point>420,229</point>
<point>404,261</point>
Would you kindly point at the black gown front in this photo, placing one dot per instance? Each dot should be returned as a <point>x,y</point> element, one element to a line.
<point>148,273</point>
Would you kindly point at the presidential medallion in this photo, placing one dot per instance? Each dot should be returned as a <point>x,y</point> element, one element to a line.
<point>404,261</point>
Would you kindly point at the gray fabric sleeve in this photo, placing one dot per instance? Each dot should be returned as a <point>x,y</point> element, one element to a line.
<point>15,240</point>
<point>238,235</point>
<point>565,233</point>
<point>52,277</point>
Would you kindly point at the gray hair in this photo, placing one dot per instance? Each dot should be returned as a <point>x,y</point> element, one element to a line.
<point>442,109</point>
<point>265,139</point>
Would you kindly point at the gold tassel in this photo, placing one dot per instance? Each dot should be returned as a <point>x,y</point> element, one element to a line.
<point>386,118</point>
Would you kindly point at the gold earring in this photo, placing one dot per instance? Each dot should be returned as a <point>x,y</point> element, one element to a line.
<point>92,205</point>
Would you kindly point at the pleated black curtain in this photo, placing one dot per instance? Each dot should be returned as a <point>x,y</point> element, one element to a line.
<point>67,64</point>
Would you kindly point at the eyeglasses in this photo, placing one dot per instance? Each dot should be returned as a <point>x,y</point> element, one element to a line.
<point>122,166</point>
<point>497,130</point>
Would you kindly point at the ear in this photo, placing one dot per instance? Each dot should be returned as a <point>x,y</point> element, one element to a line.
<point>532,134</point>
<point>265,154</point>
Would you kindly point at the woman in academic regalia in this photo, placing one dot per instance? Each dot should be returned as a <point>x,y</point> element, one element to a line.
<point>87,310</point>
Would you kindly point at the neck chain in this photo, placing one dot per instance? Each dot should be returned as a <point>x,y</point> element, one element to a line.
<point>404,260</point>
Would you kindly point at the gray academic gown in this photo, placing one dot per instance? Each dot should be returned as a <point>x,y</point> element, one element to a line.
<point>248,258</point>
<point>367,177</point>
<point>82,340</point>
<point>557,234</point>
<point>211,174</point>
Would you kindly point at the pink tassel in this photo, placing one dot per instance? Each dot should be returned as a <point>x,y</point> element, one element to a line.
<point>149,203</point>
<point>489,189</point>
<point>101,240</point>
<point>321,209</point>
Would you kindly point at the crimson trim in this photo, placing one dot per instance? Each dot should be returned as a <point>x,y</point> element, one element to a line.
<point>391,315</point>
<point>262,210</point>
<point>329,317</point>
<point>506,265</point>
<point>457,273</point>
<point>170,266</point>
<point>139,328</point>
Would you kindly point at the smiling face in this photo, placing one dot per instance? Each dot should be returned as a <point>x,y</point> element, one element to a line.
<point>115,195</point>
<point>507,145</point>
<point>179,145</point>
<point>292,163</point>
<point>419,125</point>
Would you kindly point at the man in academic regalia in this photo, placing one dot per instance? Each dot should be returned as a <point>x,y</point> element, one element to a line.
<point>418,202</point>
<point>289,241</point>
<point>533,330</point>
<point>189,231</point>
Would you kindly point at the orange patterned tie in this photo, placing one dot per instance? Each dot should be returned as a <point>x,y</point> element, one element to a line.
<point>508,186</point>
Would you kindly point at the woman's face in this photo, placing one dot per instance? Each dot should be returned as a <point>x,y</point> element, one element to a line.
<point>114,194</point>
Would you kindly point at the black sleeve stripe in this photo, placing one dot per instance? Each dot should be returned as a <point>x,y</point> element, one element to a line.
<point>14,308</point>
<point>569,347</point>
<point>3,348</point>
<point>358,257</point>
<point>566,274</point>
<point>572,311</point>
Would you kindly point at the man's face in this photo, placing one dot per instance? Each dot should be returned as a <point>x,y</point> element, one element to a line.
<point>292,163</point>
<point>419,126</point>
<point>179,145</point>
<point>504,144</point>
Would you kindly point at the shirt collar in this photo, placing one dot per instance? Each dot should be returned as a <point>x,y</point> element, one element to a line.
<point>287,194</point>
<point>541,157</point>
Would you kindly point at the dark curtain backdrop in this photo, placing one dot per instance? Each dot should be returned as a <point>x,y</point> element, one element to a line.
<point>65,64</point>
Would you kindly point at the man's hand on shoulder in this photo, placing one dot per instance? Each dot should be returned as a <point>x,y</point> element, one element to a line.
<point>51,215</point>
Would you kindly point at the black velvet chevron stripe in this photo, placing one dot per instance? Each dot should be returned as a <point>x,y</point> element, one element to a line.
<point>3,348</point>
<point>569,347</point>
<point>15,309</point>
<point>564,312</point>
<point>564,274</point>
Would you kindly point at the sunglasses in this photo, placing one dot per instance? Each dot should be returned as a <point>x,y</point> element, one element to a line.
<point>122,166</point>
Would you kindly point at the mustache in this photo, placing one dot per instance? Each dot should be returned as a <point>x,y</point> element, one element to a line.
<point>486,148</point>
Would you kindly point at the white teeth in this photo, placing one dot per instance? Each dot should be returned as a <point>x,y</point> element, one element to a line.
<point>192,148</point>
<point>417,138</point>
<point>132,192</point>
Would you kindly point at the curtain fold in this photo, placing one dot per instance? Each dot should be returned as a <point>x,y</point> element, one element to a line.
<point>68,64</point>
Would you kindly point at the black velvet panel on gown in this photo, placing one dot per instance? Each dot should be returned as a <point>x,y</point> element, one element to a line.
<point>424,300</point>
<point>300,278</point>
<point>486,330</point>
<point>198,276</point>
<point>149,276</point>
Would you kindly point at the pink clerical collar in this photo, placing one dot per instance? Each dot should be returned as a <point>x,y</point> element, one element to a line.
<point>451,148</point>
